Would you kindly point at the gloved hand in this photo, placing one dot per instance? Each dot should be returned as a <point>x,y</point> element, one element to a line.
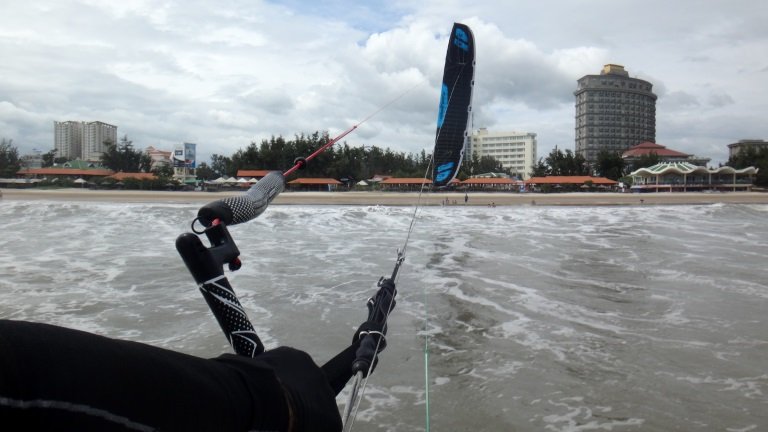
<point>379,307</point>
<point>311,401</point>
<point>370,334</point>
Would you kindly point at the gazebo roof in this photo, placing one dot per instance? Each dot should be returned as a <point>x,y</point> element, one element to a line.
<point>688,168</point>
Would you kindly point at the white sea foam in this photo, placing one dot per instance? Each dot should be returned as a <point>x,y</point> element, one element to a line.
<point>537,318</point>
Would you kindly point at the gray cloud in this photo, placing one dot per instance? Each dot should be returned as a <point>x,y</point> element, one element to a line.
<point>720,100</point>
<point>224,74</point>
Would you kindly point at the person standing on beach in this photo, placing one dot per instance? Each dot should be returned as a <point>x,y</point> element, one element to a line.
<point>466,198</point>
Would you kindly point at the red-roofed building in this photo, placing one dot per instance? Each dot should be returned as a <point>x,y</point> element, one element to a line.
<point>648,148</point>
<point>63,173</point>
<point>257,174</point>
<point>495,183</point>
<point>569,182</point>
<point>314,184</point>
<point>403,183</point>
<point>138,176</point>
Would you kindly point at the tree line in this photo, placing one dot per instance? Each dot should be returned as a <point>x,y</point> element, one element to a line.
<point>339,161</point>
<point>358,163</point>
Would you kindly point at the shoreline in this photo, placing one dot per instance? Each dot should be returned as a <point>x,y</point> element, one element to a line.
<point>395,198</point>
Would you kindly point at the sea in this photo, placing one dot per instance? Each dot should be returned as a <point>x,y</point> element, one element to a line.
<point>520,318</point>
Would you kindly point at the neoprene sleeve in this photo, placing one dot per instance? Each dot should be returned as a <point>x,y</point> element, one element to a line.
<point>52,378</point>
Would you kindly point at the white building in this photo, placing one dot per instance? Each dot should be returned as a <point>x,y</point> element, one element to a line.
<point>68,139</point>
<point>82,140</point>
<point>159,157</point>
<point>95,134</point>
<point>515,150</point>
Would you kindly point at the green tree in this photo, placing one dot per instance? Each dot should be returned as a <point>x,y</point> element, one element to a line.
<point>610,165</point>
<point>566,164</point>
<point>204,172</point>
<point>540,169</point>
<point>164,171</point>
<point>222,165</point>
<point>751,156</point>
<point>49,158</point>
<point>10,163</point>
<point>122,157</point>
<point>475,164</point>
<point>488,164</point>
<point>145,163</point>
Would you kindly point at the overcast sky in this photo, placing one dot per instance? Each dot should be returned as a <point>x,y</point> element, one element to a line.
<point>224,73</point>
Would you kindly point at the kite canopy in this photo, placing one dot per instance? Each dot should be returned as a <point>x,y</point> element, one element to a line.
<point>455,109</point>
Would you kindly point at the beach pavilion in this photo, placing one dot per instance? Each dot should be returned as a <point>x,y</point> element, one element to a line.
<point>686,177</point>
<point>314,184</point>
<point>492,183</point>
<point>401,184</point>
<point>569,182</point>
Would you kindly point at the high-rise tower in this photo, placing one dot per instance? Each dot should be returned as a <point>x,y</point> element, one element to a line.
<point>82,140</point>
<point>68,139</point>
<point>95,135</point>
<point>613,112</point>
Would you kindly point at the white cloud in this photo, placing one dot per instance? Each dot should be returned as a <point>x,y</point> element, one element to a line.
<point>225,73</point>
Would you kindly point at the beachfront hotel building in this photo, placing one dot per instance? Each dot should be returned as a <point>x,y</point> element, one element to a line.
<point>82,140</point>
<point>515,150</point>
<point>613,112</point>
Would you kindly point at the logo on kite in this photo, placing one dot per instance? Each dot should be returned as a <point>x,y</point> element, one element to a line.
<point>461,39</point>
<point>443,106</point>
<point>444,171</point>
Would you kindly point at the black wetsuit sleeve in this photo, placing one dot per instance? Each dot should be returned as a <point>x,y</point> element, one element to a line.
<point>52,378</point>
<point>338,370</point>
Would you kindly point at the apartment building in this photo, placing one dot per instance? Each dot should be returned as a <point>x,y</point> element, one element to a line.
<point>515,150</point>
<point>82,140</point>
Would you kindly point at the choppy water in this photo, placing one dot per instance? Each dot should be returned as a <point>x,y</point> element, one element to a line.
<point>539,318</point>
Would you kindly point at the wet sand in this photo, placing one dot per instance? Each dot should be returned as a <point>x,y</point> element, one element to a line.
<point>397,198</point>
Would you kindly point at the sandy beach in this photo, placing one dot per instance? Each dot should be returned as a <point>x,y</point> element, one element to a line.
<point>397,198</point>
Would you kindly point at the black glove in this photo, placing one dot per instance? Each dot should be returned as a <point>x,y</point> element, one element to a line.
<point>370,334</point>
<point>379,307</point>
<point>311,401</point>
